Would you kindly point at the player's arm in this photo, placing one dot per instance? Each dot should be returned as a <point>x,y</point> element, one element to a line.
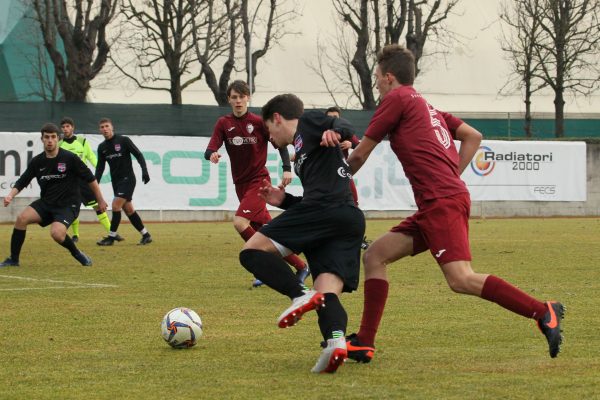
<point>276,196</point>
<point>22,182</point>
<point>287,166</point>
<point>215,143</point>
<point>140,159</point>
<point>361,153</point>
<point>84,173</point>
<point>101,164</point>
<point>470,140</point>
<point>88,154</point>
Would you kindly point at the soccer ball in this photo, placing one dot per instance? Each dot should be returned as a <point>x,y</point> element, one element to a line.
<point>181,328</point>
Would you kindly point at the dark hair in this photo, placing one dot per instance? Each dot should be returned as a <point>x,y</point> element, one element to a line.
<point>288,105</point>
<point>239,86</point>
<point>103,120</point>
<point>49,128</point>
<point>398,61</point>
<point>67,120</point>
<point>335,109</point>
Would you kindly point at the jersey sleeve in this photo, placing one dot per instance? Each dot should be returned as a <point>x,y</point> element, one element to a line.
<point>101,163</point>
<point>451,121</point>
<point>82,170</point>
<point>27,176</point>
<point>88,153</point>
<point>136,153</point>
<point>343,127</point>
<point>386,118</point>
<point>216,140</point>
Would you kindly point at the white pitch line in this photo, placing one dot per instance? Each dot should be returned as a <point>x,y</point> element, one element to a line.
<point>52,287</point>
<point>76,284</point>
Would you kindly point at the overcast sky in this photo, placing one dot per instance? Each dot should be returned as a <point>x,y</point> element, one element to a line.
<point>468,79</point>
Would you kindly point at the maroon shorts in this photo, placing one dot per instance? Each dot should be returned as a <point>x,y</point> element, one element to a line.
<point>442,227</point>
<point>252,206</point>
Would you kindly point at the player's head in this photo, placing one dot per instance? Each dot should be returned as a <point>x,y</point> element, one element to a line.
<point>238,95</point>
<point>280,115</point>
<point>49,136</point>
<point>334,111</point>
<point>67,126</point>
<point>395,66</point>
<point>106,127</point>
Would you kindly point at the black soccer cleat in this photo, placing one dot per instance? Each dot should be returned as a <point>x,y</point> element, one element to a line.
<point>550,326</point>
<point>146,239</point>
<point>83,259</point>
<point>9,262</point>
<point>119,238</point>
<point>365,243</point>
<point>303,273</point>
<point>358,351</point>
<point>106,241</point>
<point>75,238</point>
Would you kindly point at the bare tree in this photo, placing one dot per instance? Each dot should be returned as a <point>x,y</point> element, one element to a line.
<point>272,21</point>
<point>569,48</point>
<point>217,42</point>
<point>522,17</point>
<point>81,26</point>
<point>417,20</point>
<point>159,34</point>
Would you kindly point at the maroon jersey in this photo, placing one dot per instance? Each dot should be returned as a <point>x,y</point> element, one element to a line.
<point>422,139</point>
<point>246,142</point>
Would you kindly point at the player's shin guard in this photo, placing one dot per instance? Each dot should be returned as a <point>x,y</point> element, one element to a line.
<point>272,271</point>
<point>69,245</point>
<point>136,221</point>
<point>103,219</point>
<point>16,243</point>
<point>116,221</point>
<point>332,317</point>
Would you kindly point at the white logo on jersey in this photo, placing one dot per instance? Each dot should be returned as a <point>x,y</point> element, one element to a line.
<point>246,211</point>
<point>230,129</point>
<point>250,128</point>
<point>343,173</point>
<point>439,253</point>
<point>237,141</point>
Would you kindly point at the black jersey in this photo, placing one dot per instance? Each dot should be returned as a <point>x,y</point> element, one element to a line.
<point>323,171</point>
<point>58,177</point>
<point>117,152</point>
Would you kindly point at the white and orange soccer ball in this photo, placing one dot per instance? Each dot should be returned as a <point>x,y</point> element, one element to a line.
<point>181,328</point>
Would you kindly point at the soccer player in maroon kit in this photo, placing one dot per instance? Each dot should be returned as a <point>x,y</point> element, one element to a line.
<point>422,139</point>
<point>246,141</point>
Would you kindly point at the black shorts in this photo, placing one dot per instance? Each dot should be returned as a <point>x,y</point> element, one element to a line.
<point>330,238</point>
<point>51,213</point>
<point>124,188</point>
<point>87,196</point>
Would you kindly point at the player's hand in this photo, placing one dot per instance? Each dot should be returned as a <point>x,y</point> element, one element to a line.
<point>271,194</point>
<point>102,206</point>
<point>287,179</point>
<point>7,200</point>
<point>330,138</point>
<point>214,157</point>
<point>145,177</point>
<point>345,145</point>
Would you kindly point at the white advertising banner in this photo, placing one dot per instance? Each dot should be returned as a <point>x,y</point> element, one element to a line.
<point>181,179</point>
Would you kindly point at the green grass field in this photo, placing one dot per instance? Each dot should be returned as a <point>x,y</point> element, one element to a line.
<point>66,336</point>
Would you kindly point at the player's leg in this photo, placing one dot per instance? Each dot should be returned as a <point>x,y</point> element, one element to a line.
<point>388,248</point>
<point>117,206</point>
<point>28,216</point>
<point>137,223</point>
<point>462,279</point>
<point>89,200</point>
<point>75,228</point>
<point>333,321</point>
<point>62,218</point>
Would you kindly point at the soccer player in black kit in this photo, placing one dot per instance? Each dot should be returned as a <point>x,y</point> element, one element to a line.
<point>58,172</point>
<point>325,224</point>
<point>117,151</point>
